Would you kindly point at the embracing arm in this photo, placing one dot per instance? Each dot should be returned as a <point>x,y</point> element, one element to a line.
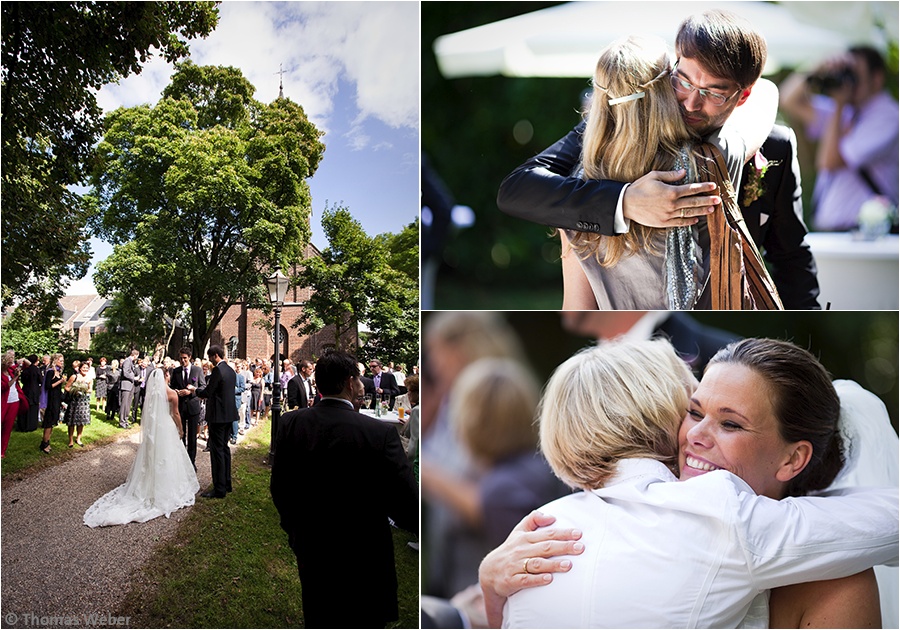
<point>502,572</point>
<point>816,538</point>
<point>542,191</point>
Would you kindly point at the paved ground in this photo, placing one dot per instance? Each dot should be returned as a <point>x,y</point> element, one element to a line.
<point>55,566</point>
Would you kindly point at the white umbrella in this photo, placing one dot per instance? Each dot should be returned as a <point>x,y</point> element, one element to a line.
<point>564,41</point>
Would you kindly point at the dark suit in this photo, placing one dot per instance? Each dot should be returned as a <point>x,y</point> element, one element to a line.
<point>296,393</point>
<point>31,387</point>
<point>369,387</point>
<point>694,342</point>
<point>388,386</point>
<point>341,475</point>
<point>221,412</point>
<point>542,191</point>
<point>189,406</point>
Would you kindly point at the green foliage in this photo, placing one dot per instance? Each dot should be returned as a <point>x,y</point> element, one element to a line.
<point>499,253</point>
<point>55,57</point>
<point>26,335</point>
<point>354,281</point>
<point>201,193</point>
<point>130,323</point>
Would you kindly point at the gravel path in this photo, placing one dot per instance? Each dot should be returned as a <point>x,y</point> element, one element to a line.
<point>55,566</point>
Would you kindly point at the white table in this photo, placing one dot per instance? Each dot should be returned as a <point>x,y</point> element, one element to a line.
<point>856,274</point>
<point>391,417</point>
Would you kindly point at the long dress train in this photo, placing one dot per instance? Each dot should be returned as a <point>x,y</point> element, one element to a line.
<point>162,478</point>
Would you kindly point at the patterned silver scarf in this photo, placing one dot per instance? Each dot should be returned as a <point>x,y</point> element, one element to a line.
<point>683,270</point>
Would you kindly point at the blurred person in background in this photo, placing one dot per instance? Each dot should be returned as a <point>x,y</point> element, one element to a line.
<point>492,412</point>
<point>844,106</point>
<point>453,342</point>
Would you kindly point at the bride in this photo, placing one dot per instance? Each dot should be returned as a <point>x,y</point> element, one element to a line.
<point>615,439</point>
<point>162,478</point>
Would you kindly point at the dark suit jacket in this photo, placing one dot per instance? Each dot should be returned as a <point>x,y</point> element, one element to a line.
<point>31,384</point>
<point>340,475</point>
<point>296,393</point>
<point>388,384</point>
<point>542,191</point>
<point>694,342</point>
<point>188,405</point>
<point>219,392</point>
<point>369,386</point>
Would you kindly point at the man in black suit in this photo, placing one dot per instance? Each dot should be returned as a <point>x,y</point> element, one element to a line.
<point>694,342</point>
<point>542,189</point>
<point>221,413</point>
<point>186,380</point>
<point>384,382</point>
<point>299,388</point>
<point>322,451</point>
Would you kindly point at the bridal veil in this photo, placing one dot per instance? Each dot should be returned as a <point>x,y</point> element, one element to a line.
<point>162,478</point>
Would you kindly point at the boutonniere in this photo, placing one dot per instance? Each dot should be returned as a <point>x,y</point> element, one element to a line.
<point>754,188</point>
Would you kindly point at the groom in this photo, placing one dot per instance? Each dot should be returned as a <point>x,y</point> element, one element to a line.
<point>221,412</point>
<point>186,380</point>
<point>715,51</point>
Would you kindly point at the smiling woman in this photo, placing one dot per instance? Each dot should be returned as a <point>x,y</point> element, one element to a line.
<point>609,420</point>
<point>766,411</point>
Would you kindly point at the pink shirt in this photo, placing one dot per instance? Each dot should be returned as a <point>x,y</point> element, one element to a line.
<point>871,142</point>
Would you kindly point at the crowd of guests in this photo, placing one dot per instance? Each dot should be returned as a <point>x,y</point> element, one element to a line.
<point>43,393</point>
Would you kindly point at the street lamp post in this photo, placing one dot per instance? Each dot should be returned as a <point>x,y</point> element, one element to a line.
<point>277,285</point>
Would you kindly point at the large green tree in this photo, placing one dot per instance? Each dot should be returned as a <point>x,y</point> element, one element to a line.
<point>203,192</point>
<point>355,281</point>
<point>55,56</point>
<point>130,323</point>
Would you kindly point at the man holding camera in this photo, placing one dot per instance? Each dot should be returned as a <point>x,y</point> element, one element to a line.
<point>843,105</point>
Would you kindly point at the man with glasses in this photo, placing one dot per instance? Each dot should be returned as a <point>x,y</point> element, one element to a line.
<point>720,58</point>
<point>384,382</point>
<point>185,380</point>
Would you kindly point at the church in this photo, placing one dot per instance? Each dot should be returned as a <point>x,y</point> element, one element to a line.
<point>239,332</point>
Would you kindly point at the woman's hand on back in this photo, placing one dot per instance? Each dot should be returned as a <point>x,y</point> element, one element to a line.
<point>503,571</point>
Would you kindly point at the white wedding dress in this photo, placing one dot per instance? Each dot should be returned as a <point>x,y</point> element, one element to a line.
<point>162,478</point>
<point>871,449</point>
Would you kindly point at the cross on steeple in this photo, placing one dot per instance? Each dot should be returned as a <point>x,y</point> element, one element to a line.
<point>280,81</point>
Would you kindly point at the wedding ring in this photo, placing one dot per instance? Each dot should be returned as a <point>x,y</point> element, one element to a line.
<point>682,213</point>
<point>525,566</point>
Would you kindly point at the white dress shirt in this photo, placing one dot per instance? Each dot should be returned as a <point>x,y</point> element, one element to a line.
<point>694,554</point>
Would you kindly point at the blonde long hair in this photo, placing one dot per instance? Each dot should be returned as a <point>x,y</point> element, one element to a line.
<point>627,140</point>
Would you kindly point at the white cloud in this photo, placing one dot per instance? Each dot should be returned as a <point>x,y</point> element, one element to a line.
<point>372,45</point>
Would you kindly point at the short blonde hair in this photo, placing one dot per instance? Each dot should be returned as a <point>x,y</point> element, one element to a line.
<point>616,400</point>
<point>492,407</point>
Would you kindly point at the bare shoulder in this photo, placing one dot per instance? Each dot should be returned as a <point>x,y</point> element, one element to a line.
<point>850,602</point>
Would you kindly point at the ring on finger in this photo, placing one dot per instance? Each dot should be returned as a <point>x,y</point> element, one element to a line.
<point>525,565</point>
<point>682,213</point>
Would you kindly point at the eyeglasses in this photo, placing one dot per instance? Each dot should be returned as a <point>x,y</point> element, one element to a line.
<point>686,87</point>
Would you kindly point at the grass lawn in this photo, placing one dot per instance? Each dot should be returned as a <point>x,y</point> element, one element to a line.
<point>23,456</point>
<point>229,565</point>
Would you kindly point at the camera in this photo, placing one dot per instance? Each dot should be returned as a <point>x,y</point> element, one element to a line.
<point>832,79</point>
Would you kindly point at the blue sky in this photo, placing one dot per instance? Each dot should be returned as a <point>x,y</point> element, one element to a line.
<point>353,66</point>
